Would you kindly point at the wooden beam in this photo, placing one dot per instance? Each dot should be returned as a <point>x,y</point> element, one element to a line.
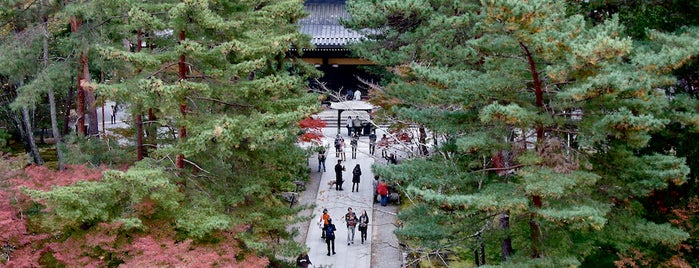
<point>338,61</point>
<point>349,61</point>
<point>313,60</point>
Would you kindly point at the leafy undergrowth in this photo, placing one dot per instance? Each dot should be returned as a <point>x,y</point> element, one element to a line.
<point>84,217</point>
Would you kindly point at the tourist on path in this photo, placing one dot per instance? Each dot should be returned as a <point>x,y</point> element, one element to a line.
<point>349,126</point>
<point>351,221</point>
<point>302,260</point>
<point>372,142</point>
<point>357,95</point>
<point>363,224</point>
<point>321,159</point>
<point>324,222</point>
<point>354,142</point>
<point>382,190</point>
<point>357,124</point>
<point>339,168</point>
<point>375,186</point>
<point>330,236</point>
<point>338,144</point>
<point>356,176</point>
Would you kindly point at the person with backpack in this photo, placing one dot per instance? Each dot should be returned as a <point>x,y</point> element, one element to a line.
<point>356,175</point>
<point>330,236</point>
<point>354,142</point>
<point>363,225</point>
<point>351,221</point>
<point>321,159</point>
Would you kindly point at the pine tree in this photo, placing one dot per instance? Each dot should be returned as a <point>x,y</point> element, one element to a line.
<point>541,116</point>
<point>218,78</point>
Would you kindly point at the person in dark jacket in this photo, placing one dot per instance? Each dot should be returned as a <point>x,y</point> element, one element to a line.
<point>302,260</point>
<point>339,168</point>
<point>363,224</point>
<point>356,176</point>
<point>372,142</point>
<point>330,236</point>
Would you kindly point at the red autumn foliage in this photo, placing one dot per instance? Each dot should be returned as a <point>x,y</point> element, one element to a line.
<point>43,178</point>
<point>313,129</point>
<point>312,123</point>
<point>150,251</point>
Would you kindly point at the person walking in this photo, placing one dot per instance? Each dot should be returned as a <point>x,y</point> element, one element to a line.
<point>375,185</point>
<point>372,142</point>
<point>382,190</point>
<point>302,260</point>
<point>343,155</point>
<point>354,142</point>
<point>349,126</point>
<point>351,221</point>
<point>321,159</point>
<point>330,236</point>
<point>324,222</point>
<point>339,168</point>
<point>356,176</point>
<point>338,144</point>
<point>384,143</point>
<point>357,124</point>
<point>363,224</point>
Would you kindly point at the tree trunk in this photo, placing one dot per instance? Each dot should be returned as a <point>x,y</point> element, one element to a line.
<point>139,117</point>
<point>52,96</point>
<point>139,135</point>
<point>534,226</point>
<point>91,103</point>
<point>423,140</point>
<point>75,24</point>
<point>29,135</point>
<point>152,131</point>
<point>183,107</point>
<point>506,244</point>
<point>66,117</point>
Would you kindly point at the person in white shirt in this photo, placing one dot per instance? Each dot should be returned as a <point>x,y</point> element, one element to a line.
<point>357,95</point>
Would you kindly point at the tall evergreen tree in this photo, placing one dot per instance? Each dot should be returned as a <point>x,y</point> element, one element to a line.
<point>543,116</point>
<point>217,77</point>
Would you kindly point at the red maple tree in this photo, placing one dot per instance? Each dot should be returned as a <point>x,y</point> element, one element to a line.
<point>313,129</point>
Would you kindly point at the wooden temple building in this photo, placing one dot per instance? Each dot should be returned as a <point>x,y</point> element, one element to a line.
<point>331,54</point>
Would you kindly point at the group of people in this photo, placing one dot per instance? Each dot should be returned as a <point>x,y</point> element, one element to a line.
<point>356,176</point>
<point>354,126</point>
<point>351,221</point>
<point>354,95</point>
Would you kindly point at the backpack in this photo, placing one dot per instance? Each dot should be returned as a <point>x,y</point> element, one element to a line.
<point>337,142</point>
<point>330,231</point>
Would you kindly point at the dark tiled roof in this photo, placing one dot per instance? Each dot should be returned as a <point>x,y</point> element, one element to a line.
<point>322,24</point>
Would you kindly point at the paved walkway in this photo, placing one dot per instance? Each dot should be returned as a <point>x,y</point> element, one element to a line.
<point>337,202</point>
